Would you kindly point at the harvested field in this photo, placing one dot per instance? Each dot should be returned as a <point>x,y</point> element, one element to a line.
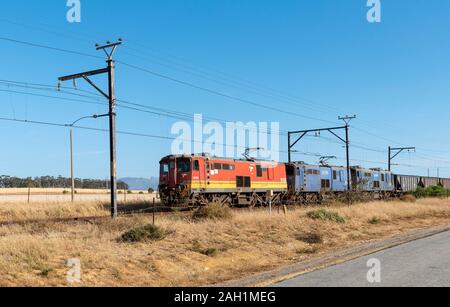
<point>57,196</point>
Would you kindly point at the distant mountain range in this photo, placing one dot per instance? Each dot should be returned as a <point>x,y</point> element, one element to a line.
<point>141,184</point>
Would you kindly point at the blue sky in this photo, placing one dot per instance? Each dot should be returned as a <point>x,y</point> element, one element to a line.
<point>316,58</point>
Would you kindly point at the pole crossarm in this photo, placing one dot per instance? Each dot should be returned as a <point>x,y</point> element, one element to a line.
<point>331,131</point>
<point>347,119</point>
<point>299,139</point>
<point>400,150</point>
<point>317,130</point>
<point>84,74</point>
<point>305,132</point>
<point>346,141</point>
<point>396,151</point>
<point>96,87</point>
<point>112,46</point>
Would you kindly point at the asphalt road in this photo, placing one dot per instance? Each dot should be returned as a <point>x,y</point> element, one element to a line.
<point>422,263</point>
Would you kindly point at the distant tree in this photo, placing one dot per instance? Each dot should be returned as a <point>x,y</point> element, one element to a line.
<point>56,182</point>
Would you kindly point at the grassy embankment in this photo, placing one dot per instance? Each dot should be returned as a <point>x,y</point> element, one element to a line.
<point>191,251</point>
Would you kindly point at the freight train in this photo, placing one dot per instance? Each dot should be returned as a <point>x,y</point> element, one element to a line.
<point>196,180</point>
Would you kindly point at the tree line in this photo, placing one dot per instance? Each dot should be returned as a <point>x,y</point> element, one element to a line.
<point>47,182</point>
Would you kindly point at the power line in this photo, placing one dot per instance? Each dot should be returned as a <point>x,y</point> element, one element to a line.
<point>161,112</point>
<point>238,85</point>
<point>242,83</point>
<point>186,84</point>
<point>154,136</point>
<point>138,134</point>
<point>217,93</point>
<point>46,89</point>
<point>49,87</point>
<point>93,56</point>
<point>167,113</point>
<point>52,97</point>
<point>157,111</point>
<point>211,91</point>
<point>49,47</point>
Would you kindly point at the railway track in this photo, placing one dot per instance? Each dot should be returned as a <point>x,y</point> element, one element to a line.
<point>160,211</point>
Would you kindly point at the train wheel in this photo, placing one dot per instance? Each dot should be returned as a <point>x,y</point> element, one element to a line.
<point>222,200</point>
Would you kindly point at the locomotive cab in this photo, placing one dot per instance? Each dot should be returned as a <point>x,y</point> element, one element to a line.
<point>175,178</point>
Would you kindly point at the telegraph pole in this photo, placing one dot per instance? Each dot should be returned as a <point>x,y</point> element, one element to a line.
<point>112,135</point>
<point>394,152</point>
<point>72,177</point>
<point>347,119</point>
<point>109,49</point>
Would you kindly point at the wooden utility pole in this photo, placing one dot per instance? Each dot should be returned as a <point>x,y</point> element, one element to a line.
<point>109,49</point>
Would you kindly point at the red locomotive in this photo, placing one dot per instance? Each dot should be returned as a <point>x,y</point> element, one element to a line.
<point>200,179</point>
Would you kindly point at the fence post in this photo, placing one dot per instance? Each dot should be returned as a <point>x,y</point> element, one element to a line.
<point>154,210</point>
<point>269,197</point>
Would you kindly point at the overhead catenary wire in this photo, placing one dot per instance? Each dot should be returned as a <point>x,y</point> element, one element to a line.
<point>182,82</point>
<point>84,54</point>
<point>238,99</point>
<point>235,98</point>
<point>160,112</point>
<point>209,74</point>
<point>154,136</point>
<point>185,117</point>
<point>174,116</point>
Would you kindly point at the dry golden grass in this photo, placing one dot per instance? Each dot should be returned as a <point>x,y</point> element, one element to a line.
<point>22,211</point>
<point>42,191</point>
<point>57,196</point>
<point>56,191</point>
<point>192,253</point>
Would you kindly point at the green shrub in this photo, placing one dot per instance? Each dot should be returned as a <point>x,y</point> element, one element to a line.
<point>325,215</point>
<point>309,250</point>
<point>212,212</point>
<point>210,252</point>
<point>129,192</point>
<point>45,272</point>
<point>146,233</point>
<point>311,238</point>
<point>436,191</point>
<point>65,192</point>
<point>374,221</point>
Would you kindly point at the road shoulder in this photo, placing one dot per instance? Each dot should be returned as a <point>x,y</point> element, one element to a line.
<point>331,259</point>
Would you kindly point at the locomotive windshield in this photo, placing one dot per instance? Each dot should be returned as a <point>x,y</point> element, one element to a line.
<point>164,168</point>
<point>183,165</point>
